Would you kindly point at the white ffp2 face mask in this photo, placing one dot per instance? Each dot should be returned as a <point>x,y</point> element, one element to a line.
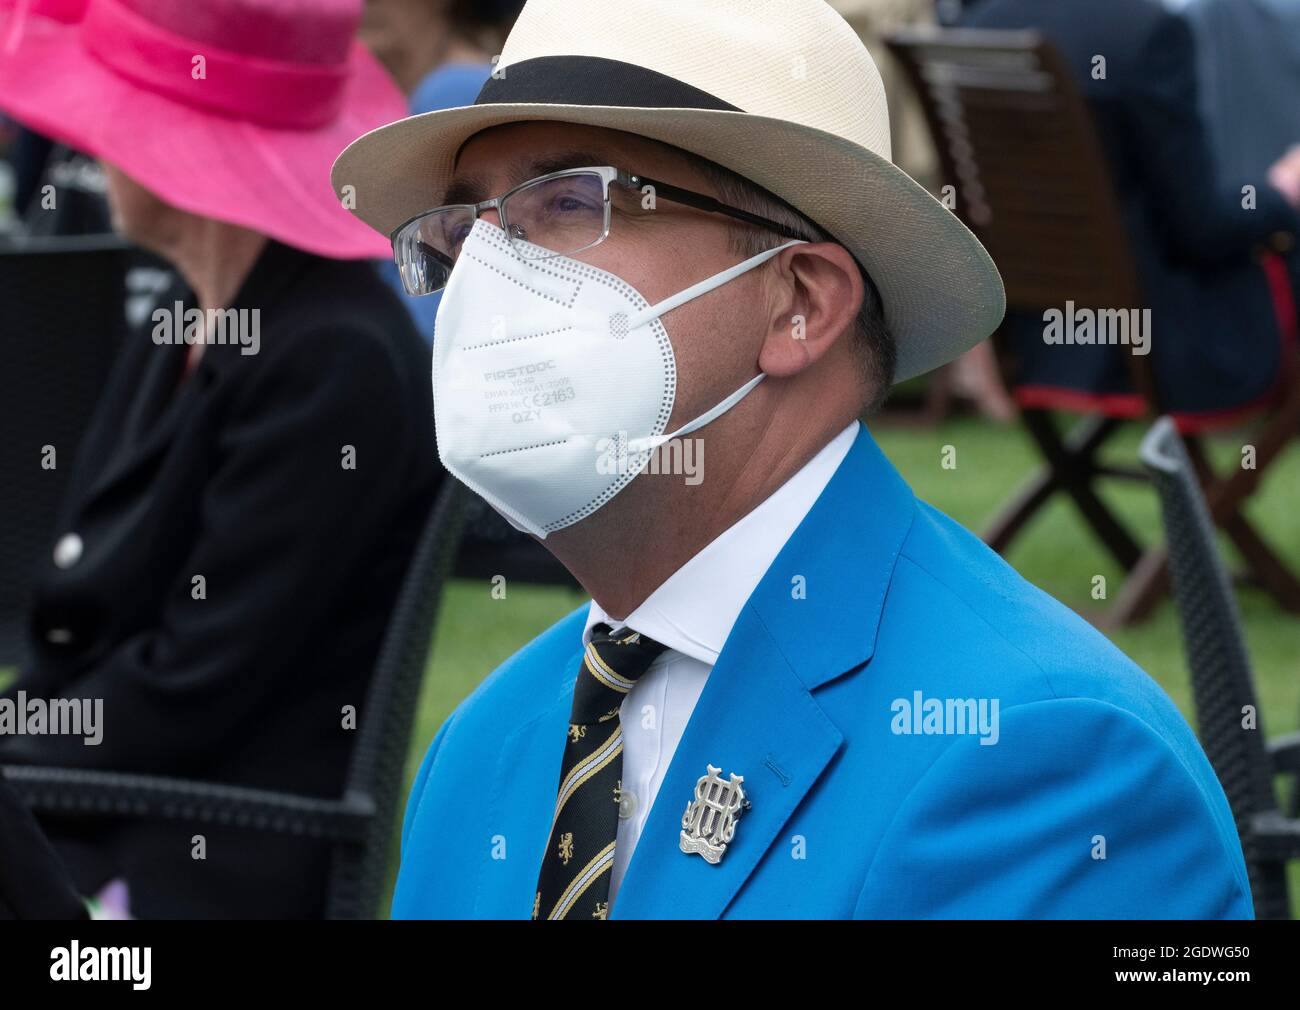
<point>541,366</point>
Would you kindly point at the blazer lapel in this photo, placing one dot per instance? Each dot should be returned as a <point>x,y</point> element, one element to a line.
<point>754,718</point>
<point>757,720</point>
<point>525,782</point>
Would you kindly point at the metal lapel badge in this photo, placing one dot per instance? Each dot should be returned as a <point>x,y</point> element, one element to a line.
<point>710,820</point>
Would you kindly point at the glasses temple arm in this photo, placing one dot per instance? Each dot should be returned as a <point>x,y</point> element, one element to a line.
<point>708,203</point>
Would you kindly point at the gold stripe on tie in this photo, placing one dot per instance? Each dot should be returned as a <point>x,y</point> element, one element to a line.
<point>601,861</point>
<point>599,669</point>
<point>607,752</point>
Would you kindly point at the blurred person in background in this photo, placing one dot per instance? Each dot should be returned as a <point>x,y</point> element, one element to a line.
<point>1250,68</point>
<point>240,513</point>
<point>440,52</point>
<point>1218,309</point>
<point>420,40</point>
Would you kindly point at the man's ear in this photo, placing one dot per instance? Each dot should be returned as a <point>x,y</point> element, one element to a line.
<point>816,292</point>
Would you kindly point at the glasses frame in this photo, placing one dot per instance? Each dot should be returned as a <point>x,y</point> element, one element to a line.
<point>608,174</point>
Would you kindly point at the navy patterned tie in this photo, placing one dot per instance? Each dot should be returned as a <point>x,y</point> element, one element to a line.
<point>575,874</point>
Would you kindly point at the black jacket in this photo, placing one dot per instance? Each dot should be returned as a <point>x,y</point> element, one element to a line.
<point>235,474</point>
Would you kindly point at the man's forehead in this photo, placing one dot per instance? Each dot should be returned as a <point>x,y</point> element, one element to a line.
<point>503,156</point>
<point>477,179</point>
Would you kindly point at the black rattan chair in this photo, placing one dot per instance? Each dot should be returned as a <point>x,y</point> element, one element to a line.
<point>1222,687</point>
<point>62,322</point>
<point>359,825</point>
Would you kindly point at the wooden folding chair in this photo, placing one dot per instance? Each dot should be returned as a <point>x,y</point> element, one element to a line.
<point>1017,142</point>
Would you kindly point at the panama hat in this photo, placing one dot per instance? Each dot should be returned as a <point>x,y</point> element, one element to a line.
<point>231,109</point>
<point>781,92</point>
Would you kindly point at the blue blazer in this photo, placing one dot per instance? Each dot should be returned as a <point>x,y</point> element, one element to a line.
<point>1094,801</point>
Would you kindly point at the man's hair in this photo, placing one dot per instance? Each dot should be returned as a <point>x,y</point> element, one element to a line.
<point>877,354</point>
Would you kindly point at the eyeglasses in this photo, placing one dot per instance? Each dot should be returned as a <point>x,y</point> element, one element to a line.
<point>557,214</point>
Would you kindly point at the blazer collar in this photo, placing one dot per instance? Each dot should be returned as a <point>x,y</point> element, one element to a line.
<point>757,716</point>
<point>854,531</point>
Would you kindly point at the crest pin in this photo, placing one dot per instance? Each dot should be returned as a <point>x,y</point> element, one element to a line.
<point>709,823</point>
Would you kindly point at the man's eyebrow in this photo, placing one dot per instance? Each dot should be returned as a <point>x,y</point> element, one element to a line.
<point>466,189</point>
<point>562,160</point>
<point>474,188</point>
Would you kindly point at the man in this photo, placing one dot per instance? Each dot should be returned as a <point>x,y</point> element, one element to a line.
<point>743,723</point>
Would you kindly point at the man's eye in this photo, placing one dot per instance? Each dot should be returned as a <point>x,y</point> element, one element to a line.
<point>570,203</point>
<point>455,235</point>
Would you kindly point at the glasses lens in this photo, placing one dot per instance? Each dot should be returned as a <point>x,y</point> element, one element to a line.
<point>425,249</point>
<point>554,217</point>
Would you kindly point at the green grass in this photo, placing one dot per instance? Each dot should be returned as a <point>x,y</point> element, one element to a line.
<point>1056,552</point>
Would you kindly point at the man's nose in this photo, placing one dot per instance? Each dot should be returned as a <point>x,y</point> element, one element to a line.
<point>493,216</point>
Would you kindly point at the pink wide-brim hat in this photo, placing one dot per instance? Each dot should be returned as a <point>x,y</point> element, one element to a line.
<point>231,109</point>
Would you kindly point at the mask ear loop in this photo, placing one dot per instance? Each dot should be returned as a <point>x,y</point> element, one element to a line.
<point>652,442</point>
<point>706,285</point>
<point>694,291</point>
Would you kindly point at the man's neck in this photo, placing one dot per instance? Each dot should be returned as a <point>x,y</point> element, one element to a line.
<point>623,552</point>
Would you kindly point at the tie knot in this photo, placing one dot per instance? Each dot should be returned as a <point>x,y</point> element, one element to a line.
<point>613,662</point>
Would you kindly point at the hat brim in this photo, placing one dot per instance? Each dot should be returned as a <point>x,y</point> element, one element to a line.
<point>274,181</point>
<point>942,293</point>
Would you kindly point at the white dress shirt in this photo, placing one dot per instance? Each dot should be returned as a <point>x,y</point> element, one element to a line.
<point>692,614</point>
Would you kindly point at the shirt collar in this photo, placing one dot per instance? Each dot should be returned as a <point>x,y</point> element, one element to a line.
<point>693,611</point>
